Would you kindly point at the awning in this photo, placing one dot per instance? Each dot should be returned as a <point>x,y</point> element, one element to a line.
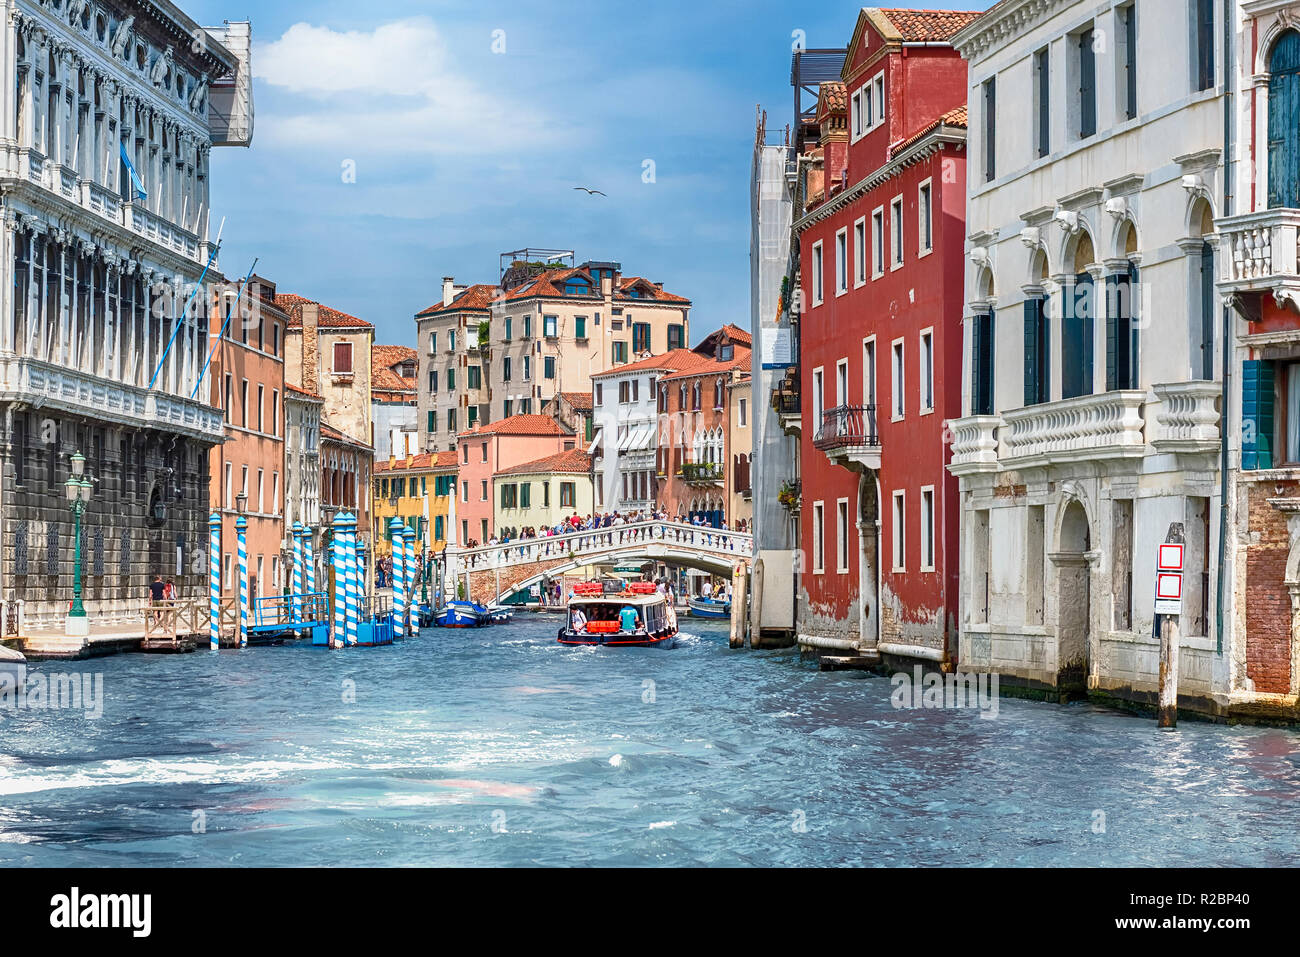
<point>600,434</point>
<point>637,440</point>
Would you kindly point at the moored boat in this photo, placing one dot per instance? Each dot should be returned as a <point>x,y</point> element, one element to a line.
<point>638,617</point>
<point>708,607</point>
<point>469,614</point>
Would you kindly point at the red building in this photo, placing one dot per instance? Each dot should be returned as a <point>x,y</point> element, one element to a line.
<point>881,245</point>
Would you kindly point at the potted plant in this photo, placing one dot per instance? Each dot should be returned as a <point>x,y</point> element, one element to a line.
<point>788,496</point>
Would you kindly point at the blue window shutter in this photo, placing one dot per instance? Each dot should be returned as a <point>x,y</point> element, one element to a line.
<point>1087,85</point>
<point>1257,414</point>
<point>1032,307</point>
<point>1112,333</point>
<point>1283,131</point>
<point>982,365</point>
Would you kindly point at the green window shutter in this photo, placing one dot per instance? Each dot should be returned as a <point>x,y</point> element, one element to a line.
<point>430,422</point>
<point>1112,334</point>
<point>1031,350</point>
<point>1256,414</point>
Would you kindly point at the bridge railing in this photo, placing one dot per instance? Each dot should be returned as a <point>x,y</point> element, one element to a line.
<point>598,541</point>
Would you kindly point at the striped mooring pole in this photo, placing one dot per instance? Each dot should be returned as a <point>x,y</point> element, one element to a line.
<point>399,579</point>
<point>214,581</point>
<point>361,576</point>
<point>308,560</point>
<point>350,577</point>
<point>412,603</point>
<point>241,532</point>
<point>295,587</point>
<point>339,637</point>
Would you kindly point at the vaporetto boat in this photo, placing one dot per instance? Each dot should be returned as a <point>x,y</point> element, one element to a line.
<point>637,617</point>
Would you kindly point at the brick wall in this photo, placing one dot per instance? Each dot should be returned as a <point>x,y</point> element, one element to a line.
<point>1268,622</point>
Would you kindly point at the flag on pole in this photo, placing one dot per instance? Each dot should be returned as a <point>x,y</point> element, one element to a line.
<point>140,192</point>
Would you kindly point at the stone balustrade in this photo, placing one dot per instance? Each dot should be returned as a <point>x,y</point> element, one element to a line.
<point>1257,251</point>
<point>1187,417</point>
<point>1106,425</point>
<point>974,444</point>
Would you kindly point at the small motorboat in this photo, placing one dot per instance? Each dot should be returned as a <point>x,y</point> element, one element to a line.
<point>597,618</point>
<point>708,607</point>
<point>470,614</point>
<point>13,671</point>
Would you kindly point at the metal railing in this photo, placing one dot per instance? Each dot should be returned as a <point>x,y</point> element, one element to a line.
<point>848,426</point>
<point>595,541</point>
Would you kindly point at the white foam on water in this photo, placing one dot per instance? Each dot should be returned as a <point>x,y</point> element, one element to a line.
<point>657,825</point>
<point>616,761</point>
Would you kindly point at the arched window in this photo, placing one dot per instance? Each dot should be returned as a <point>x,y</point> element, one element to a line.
<point>1076,324</point>
<point>1122,300</point>
<point>1200,266</point>
<point>1283,127</point>
<point>1038,341</point>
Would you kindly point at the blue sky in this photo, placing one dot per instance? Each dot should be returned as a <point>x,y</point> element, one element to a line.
<point>461,153</point>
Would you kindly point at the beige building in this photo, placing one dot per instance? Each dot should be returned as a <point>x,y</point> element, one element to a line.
<point>542,493</point>
<point>302,467</point>
<point>451,383</point>
<point>556,327</point>
<point>329,353</point>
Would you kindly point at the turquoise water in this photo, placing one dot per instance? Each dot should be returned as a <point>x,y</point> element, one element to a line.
<point>500,747</point>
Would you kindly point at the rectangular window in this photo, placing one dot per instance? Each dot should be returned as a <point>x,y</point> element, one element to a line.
<point>981,389</point>
<point>860,252</point>
<point>618,352</point>
<point>878,89</point>
<point>897,385</point>
<point>525,495</point>
<point>474,377</point>
<point>640,337</point>
<point>431,424</point>
<point>550,326</point>
<point>1038,355</point>
<point>817,273</point>
<point>1042,102</point>
<point>451,421</point>
<point>924,218</point>
<point>869,373</point>
<point>464,491</point>
<point>927,528</point>
<point>819,398</point>
<point>1204,58</point>
<point>483,491</point>
<point>1258,404</point>
<point>899,531</point>
<point>676,336</point>
<point>878,243</point>
<point>483,452</point>
<point>1122,328</point>
<point>1121,580</point>
<point>841,262</point>
<point>979,566</point>
<point>600,393</point>
<point>1087,84</point>
<point>896,220</point>
<point>842,382</point>
<point>1128,59</point>
<point>508,322</point>
<point>859,127</point>
<point>433,342</point>
<point>451,380</point>
<point>741,412</point>
<point>842,536</point>
<point>927,371</point>
<point>342,358</point>
<point>990,90</point>
<point>243,402</point>
<point>528,327</point>
<point>567,495</point>
<point>505,368</point>
<point>548,367</point>
<point>275,411</point>
<point>819,538</point>
<point>579,327</point>
<point>528,368</point>
<point>261,398</point>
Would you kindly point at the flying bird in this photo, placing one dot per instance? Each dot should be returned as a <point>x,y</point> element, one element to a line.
<point>591,192</point>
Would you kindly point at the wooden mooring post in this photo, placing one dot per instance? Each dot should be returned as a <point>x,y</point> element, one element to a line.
<point>1169,595</point>
<point>739,607</point>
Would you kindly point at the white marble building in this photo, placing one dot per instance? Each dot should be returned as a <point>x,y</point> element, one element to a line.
<point>1093,342</point>
<point>99,260</point>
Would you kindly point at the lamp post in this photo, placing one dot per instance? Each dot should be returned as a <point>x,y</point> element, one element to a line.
<point>77,488</point>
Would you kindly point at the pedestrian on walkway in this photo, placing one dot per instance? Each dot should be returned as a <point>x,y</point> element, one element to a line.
<point>157,589</point>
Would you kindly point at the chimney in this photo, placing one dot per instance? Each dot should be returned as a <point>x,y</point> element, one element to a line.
<point>310,348</point>
<point>448,289</point>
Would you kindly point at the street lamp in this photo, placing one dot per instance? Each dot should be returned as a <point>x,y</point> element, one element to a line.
<point>241,502</point>
<point>77,488</point>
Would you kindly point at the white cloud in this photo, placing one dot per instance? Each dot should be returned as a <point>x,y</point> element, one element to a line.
<point>394,89</point>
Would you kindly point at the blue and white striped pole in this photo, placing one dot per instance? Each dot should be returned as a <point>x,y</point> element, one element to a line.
<point>241,532</point>
<point>361,576</point>
<point>350,577</point>
<point>308,560</point>
<point>295,587</point>
<point>214,581</point>
<point>399,583</point>
<point>339,637</point>
<point>412,605</point>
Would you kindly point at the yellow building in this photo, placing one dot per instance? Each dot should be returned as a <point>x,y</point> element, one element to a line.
<point>418,490</point>
<point>543,493</point>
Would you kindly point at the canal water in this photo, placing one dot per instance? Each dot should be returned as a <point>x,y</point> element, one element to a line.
<point>500,747</point>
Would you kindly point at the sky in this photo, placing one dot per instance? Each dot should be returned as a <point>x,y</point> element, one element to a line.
<point>397,142</point>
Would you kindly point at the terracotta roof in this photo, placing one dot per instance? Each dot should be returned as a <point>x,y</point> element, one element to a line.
<point>919,25</point>
<point>549,284</point>
<point>328,318</point>
<point>328,431</point>
<point>832,97</point>
<point>738,335</point>
<point>574,460</point>
<point>953,118</point>
<point>424,462</point>
<point>579,400</point>
<point>289,387</point>
<point>709,367</point>
<point>383,378</point>
<point>518,425</point>
<point>675,361</point>
<point>476,298</point>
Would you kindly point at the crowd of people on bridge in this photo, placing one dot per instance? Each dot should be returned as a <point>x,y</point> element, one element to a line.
<point>575,524</point>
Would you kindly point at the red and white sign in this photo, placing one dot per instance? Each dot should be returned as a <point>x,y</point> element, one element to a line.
<point>1169,586</point>
<point>1170,558</point>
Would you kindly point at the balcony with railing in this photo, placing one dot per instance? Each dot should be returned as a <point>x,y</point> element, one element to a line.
<point>849,437</point>
<point>787,404</point>
<point>1258,253</point>
<point>1181,417</point>
<point>701,474</point>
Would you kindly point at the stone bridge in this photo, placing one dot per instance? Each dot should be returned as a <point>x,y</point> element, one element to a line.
<point>495,572</point>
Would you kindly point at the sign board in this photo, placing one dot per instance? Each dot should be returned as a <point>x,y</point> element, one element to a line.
<point>1170,558</point>
<point>1169,593</point>
<point>778,348</point>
